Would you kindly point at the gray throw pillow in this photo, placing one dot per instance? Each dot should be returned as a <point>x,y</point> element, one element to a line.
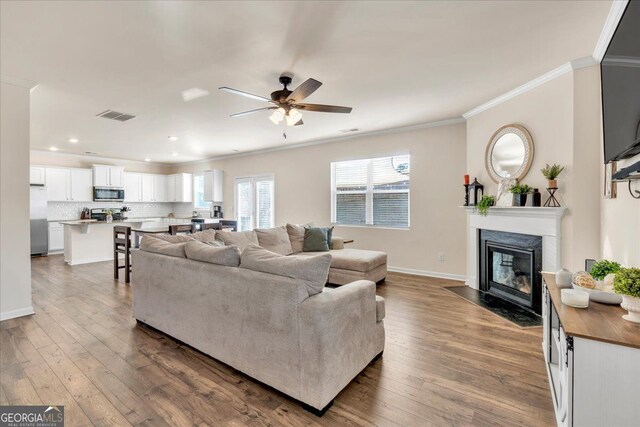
<point>275,240</point>
<point>296,236</point>
<point>239,238</point>
<point>317,239</point>
<point>205,236</point>
<point>159,246</point>
<point>311,270</point>
<point>178,238</point>
<point>221,255</point>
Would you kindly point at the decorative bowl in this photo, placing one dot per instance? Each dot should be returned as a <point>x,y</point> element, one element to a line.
<point>601,295</point>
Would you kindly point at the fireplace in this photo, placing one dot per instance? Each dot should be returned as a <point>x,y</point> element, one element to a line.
<point>510,265</point>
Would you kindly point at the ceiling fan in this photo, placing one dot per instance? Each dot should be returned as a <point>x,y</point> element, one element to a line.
<point>286,104</point>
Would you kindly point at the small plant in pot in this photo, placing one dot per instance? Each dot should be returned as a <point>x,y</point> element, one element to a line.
<point>109,215</point>
<point>551,172</point>
<point>484,204</point>
<point>520,192</point>
<point>627,284</point>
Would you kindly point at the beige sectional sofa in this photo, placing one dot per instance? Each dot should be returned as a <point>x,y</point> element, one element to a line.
<point>262,313</point>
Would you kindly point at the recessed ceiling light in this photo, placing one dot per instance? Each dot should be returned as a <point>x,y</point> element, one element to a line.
<point>147,160</point>
<point>74,140</point>
<point>53,148</point>
<point>193,93</point>
<point>174,154</point>
<point>173,138</point>
<point>236,151</point>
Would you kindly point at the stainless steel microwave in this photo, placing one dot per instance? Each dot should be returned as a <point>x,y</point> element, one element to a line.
<point>107,194</point>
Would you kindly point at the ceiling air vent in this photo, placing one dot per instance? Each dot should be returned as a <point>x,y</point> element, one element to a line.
<point>115,115</point>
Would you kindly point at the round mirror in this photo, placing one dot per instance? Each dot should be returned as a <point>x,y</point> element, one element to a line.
<point>509,153</point>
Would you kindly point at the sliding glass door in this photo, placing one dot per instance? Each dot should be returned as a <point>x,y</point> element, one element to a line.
<point>254,202</point>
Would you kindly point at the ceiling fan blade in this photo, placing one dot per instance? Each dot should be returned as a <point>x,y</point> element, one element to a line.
<point>305,89</point>
<point>243,93</point>
<point>324,108</point>
<point>244,113</point>
<point>299,123</point>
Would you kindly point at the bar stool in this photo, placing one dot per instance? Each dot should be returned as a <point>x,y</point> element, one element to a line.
<point>211,226</point>
<point>182,228</point>
<point>228,224</point>
<point>122,245</point>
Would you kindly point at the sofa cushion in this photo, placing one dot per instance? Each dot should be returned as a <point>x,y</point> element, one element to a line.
<point>379,308</point>
<point>296,236</point>
<point>311,270</point>
<point>239,238</point>
<point>206,236</point>
<point>178,238</point>
<point>316,239</point>
<point>355,259</point>
<point>221,255</point>
<point>275,240</point>
<point>160,246</point>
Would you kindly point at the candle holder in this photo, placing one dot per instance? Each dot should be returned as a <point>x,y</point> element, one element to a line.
<point>466,194</point>
<point>475,186</point>
<point>552,202</point>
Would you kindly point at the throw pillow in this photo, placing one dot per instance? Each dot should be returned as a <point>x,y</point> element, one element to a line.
<point>221,255</point>
<point>178,238</point>
<point>159,246</point>
<point>311,270</point>
<point>275,240</point>
<point>239,238</point>
<point>296,236</point>
<point>206,236</point>
<point>316,239</point>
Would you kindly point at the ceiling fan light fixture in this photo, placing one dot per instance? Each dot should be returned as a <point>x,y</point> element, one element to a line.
<point>278,115</point>
<point>293,117</point>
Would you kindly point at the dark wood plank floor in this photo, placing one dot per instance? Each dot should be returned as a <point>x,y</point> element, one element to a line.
<point>446,362</point>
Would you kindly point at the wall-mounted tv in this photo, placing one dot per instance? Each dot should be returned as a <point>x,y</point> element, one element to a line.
<point>620,73</point>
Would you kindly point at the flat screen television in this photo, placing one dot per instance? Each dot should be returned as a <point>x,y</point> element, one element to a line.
<point>620,74</point>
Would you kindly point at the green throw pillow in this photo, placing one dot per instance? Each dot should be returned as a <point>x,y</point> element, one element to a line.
<point>316,239</point>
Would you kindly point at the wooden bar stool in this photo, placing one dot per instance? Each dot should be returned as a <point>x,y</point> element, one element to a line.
<point>182,228</point>
<point>228,224</point>
<point>122,245</point>
<point>211,226</point>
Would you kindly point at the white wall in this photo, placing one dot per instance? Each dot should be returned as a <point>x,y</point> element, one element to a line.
<point>302,187</point>
<point>15,262</point>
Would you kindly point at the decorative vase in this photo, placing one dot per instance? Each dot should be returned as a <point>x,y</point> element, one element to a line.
<point>109,219</point>
<point>536,198</point>
<point>552,183</point>
<point>519,200</point>
<point>632,305</point>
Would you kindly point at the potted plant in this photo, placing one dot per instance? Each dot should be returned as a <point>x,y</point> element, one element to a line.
<point>601,269</point>
<point>627,284</point>
<point>551,172</point>
<point>109,215</point>
<point>484,204</point>
<point>520,192</point>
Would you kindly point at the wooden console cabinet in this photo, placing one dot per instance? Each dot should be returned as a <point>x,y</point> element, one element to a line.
<point>593,362</point>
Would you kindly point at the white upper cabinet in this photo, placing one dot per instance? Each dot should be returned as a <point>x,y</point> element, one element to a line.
<point>184,187</point>
<point>58,184</point>
<point>132,187</point>
<point>81,185</point>
<point>171,188</point>
<point>108,176</point>
<point>213,184</point>
<point>147,187</point>
<point>37,175</point>
<point>159,188</point>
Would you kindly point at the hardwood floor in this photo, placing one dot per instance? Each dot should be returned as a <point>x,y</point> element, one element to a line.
<point>446,362</point>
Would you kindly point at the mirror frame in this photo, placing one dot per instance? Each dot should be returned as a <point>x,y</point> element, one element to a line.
<point>525,136</point>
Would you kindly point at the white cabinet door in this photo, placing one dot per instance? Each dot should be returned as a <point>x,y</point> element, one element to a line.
<point>58,184</point>
<point>56,237</point>
<point>147,187</point>
<point>116,176</point>
<point>172,188</point>
<point>132,187</point>
<point>184,187</point>
<point>81,185</point>
<point>159,188</point>
<point>37,175</point>
<point>213,186</point>
<point>101,176</point>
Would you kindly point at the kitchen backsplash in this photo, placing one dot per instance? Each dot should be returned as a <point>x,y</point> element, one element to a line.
<point>58,211</point>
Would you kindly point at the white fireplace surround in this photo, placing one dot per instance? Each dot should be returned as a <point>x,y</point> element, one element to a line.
<point>535,221</point>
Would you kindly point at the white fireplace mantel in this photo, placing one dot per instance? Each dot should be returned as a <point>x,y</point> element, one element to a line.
<point>536,221</point>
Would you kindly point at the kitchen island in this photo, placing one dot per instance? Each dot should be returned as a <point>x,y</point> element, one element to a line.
<point>87,241</point>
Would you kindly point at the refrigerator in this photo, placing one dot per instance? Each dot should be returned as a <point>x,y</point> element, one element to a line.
<point>39,224</point>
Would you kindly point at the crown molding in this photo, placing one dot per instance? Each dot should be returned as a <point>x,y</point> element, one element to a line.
<point>427,125</point>
<point>17,81</point>
<point>610,25</point>
<point>102,158</point>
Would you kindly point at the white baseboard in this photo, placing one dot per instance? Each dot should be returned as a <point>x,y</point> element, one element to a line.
<point>460,277</point>
<point>16,313</point>
<point>91,260</point>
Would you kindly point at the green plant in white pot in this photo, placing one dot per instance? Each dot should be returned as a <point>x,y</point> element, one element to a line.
<point>109,215</point>
<point>627,284</point>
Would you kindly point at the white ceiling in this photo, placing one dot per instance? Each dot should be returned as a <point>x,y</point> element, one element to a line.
<point>395,63</point>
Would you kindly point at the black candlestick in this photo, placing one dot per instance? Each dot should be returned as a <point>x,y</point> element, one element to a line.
<point>466,194</point>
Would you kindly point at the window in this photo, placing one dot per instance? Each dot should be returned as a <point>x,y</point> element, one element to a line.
<point>371,192</point>
<point>198,193</point>
<point>254,202</point>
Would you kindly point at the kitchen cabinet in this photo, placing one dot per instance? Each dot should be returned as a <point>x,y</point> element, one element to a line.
<point>56,237</point>
<point>159,188</point>
<point>132,187</point>
<point>147,181</point>
<point>179,188</point>
<point>171,188</point>
<point>58,184</point>
<point>81,185</point>
<point>108,176</point>
<point>37,175</point>
<point>213,185</point>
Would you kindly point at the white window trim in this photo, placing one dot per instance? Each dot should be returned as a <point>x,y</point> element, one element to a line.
<point>369,195</point>
<point>253,179</point>
<point>198,209</point>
